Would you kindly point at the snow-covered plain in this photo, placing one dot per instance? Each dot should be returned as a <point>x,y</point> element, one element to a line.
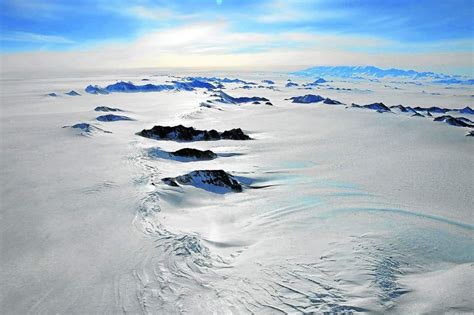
<point>342,209</point>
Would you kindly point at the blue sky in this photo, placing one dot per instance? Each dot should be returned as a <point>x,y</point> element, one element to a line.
<point>237,30</point>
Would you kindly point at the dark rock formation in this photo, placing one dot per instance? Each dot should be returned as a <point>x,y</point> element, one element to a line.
<point>217,181</point>
<point>194,154</point>
<point>268,81</point>
<point>401,108</point>
<point>331,102</point>
<point>290,84</point>
<point>181,133</point>
<point>129,87</point>
<point>467,110</point>
<point>53,94</point>
<point>107,109</point>
<point>309,98</point>
<point>86,129</point>
<point>227,99</point>
<point>315,83</point>
<point>417,115</point>
<point>95,90</point>
<point>73,93</point>
<point>434,109</point>
<point>470,133</point>
<point>455,121</point>
<point>379,107</point>
<point>190,85</point>
<point>269,103</point>
<point>111,117</point>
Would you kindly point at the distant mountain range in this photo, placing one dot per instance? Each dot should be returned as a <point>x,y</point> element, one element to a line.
<point>371,72</point>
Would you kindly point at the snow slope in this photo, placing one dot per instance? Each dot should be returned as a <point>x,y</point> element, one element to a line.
<point>343,209</point>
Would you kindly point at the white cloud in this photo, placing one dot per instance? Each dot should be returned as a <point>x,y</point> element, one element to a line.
<point>215,45</point>
<point>279,11</point>
<point>34,38</point>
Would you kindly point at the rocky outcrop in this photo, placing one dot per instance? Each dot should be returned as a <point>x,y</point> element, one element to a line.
<point>182,133</point>
<point>455,121</point>
<point>401,108</point>
<point>194,154</point>
<point>329,101</point>
<point>310,98</point>
<point>73,93</point>
<point>433,109</point>
<point>107,109</point>
<point>467,110</point>
<point>86,129</point>
<point>379,107</point>
<point>111,117</point>
<point>306,99</point>
<point>227,99</point>
<point>217,181</point>
<point>95,90</point>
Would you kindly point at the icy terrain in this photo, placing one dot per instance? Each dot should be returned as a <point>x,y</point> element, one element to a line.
<point>343,196</point>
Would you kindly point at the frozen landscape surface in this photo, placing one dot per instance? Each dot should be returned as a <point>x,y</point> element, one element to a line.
<point>329,206</point>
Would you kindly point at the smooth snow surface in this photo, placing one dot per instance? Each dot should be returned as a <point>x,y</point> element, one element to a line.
<point>344,209</point>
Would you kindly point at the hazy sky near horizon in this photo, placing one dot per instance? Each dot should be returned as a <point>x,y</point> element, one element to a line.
<point>424,35</point>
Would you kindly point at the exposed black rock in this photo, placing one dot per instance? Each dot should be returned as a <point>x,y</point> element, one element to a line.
<point>379,107</point>
<point>467,110</point>
<point>86,129</point>
<point>256,102</point>
<point>53,94</point>
<point>455,121</point>
<point>73,93</point>
<point>226,98</point>
<point>417,115</point>
<point>111,117</point>
<point>401,108</point>
<point>95,90</point>
<point>235,134</point>
<point>195,154</point>
<point>470,133</point>
<point>309,98</point>
<point>182,133</point>
<point>269,103</point>
<point>217,181</point>
<point>433,109</point>
<point>107,109</point>
<point>331,102</point>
